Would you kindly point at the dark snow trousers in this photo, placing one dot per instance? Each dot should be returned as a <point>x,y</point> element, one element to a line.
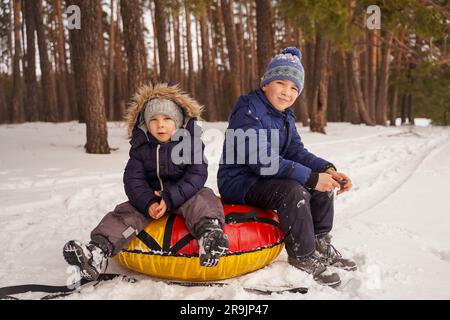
<point>303,213</point>
<point>122,224</point>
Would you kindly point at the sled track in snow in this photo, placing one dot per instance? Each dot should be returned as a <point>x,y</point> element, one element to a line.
<point>426,155</point>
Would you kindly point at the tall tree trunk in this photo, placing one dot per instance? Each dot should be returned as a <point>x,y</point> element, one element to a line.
<point>213,66</point>
<point>31,105</point>
<point>252,38</point>
<point>310,72</point>
<point>64,102</point>
<point>155,45</point>
<point>189,48</point>
<point>233,54</point>
<point>111,73</point>
<point>395,94</point>
<point>381,112</point>
<point>350,108</point>
<point>332,112</point>
<point>120,91</point>
<point>75,64</point>
<point>176,29</point>
<point>372,74</point>
<point>356,88</point>
<point>17,114</point>
<point>242,50</point>
<point>163,52</point>
<point>411,113</point>
<point>265,40</point>
<point>224,93</point>
<point>133,35</point>
<point>4,114</point>
<point>403,108</point>
<point>50,109</point>
<point>320,93</point>
<point>209,94</point>
<point>91,57</point>
<point>365,58</point>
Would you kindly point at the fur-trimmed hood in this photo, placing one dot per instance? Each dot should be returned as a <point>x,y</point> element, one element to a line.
<point>191,108</point>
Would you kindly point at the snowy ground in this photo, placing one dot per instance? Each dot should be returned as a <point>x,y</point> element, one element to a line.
<point>395,222</point>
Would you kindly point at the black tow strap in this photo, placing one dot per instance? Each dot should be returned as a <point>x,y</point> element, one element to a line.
<point>60,291</point>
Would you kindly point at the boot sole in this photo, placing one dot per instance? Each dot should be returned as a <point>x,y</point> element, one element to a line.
<point>74,255</point>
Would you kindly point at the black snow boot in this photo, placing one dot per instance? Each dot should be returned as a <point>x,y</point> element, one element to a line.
<point>314,266</point>
<point>90,258</point>
<point>213,243</point>
<point>331,256</point>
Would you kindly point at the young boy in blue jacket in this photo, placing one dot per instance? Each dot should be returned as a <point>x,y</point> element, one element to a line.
<point>271,169</point>
<point>156,181</point>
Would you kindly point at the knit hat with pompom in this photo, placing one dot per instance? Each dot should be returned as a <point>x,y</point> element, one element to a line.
<point>286,66</point>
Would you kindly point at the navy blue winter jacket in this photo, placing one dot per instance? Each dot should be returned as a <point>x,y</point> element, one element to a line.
<point>255,113</point>
<point>150,167</point>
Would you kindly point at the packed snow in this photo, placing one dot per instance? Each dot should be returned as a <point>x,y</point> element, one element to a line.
<point>395,222</point>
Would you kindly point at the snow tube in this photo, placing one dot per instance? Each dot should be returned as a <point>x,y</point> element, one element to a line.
<point>165,248</point>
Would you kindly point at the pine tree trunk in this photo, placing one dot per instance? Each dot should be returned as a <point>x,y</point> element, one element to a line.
<point>310,72</point>
<point>381,110</point>
<point>254,79</point>
<point>411,113</point>
<point>350,108</point>
<point>4,114</point>
<point>395,94</point>
<point>356,88</point>
<point>371,101</point>
<point>265,40</point>
<point>111,73</point>
<point>163,52</point>
<point>64,102</point>
<point>223,94</point>
<point>31,105</point>
<point>213,66</point>
<point>198,77</point>
<point>332,112</point>
<point>242,50</point>
<point>320,93</point>
<point>233,54</point>
<point>17,113</point>
<point>155,45</point>
<point>120,85</point>
<point>134,44</point>
<point>91,57</point>
<point>177,64</point>
<point>50,110</point>
<point>189,49</point>
<point>206,77</point>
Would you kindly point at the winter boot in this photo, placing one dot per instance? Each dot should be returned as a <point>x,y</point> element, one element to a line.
<point>90,258</point>
<point>213,243</point>
<point>331,256</point>
<point>313,265</point>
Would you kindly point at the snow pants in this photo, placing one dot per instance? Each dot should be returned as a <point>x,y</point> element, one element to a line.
<point>122,224</point>
<point>303,213</point>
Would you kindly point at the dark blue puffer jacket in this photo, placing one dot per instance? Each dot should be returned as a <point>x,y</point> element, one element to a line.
<point>253,114</point>
<point>150,167</point>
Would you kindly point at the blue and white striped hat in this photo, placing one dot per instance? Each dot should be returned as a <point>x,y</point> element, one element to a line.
<point>286,66</point>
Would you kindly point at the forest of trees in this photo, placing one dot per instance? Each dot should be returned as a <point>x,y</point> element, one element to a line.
<point>217,50</point>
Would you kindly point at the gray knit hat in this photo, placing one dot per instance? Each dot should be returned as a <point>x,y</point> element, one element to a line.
<point>166,107</point>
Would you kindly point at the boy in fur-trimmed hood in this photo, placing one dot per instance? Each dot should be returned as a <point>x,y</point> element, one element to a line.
<point>157,179</point>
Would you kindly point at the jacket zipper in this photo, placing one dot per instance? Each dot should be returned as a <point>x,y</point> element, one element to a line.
<point>157,167</point>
